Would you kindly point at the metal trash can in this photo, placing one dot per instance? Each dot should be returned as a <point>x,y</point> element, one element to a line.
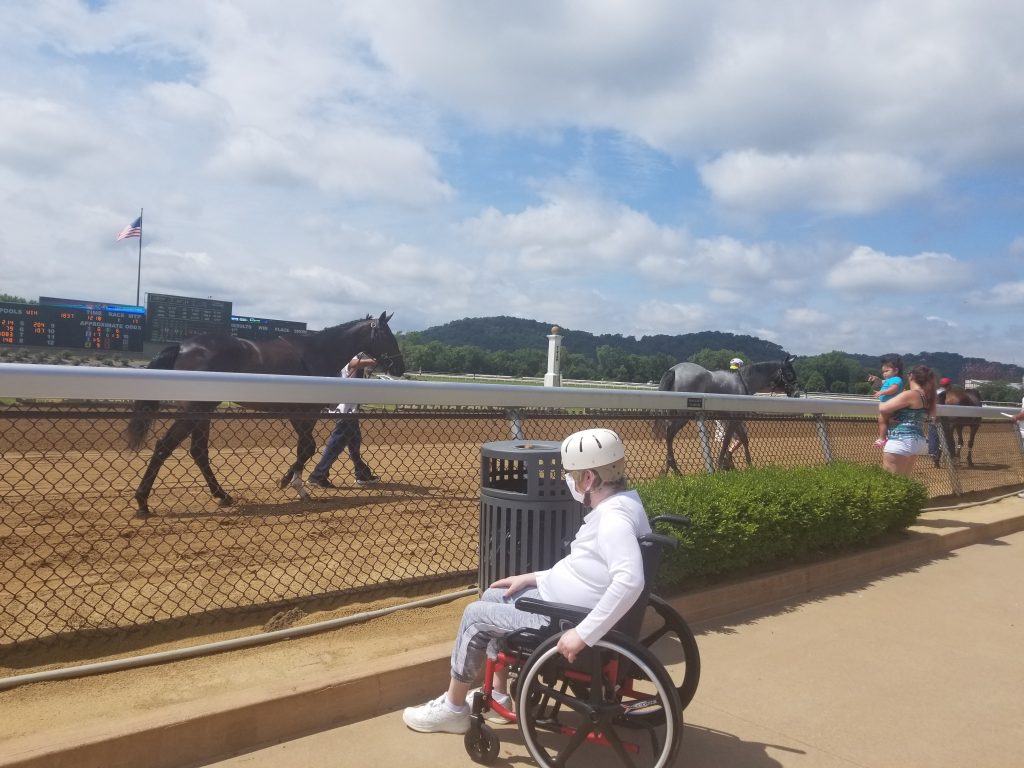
<point>527,516</point>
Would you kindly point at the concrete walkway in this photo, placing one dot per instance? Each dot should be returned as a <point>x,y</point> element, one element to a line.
<point>921,666</point>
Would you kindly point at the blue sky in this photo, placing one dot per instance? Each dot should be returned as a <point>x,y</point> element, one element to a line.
<point>826,175</point>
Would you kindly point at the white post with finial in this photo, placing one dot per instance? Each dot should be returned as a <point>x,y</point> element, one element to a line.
<point>553,378</point>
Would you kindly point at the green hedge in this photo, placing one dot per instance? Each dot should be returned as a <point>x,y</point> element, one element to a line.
<point>772,516</point>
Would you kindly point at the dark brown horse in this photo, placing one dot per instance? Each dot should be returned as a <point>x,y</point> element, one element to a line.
<point>956,424</point>
<point>323,353</point>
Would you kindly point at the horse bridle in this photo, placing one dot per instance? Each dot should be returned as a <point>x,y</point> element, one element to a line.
<point>384,359</point>
<point>782,381</point>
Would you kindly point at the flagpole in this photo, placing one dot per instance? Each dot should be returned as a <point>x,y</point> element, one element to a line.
<point>138,279</point>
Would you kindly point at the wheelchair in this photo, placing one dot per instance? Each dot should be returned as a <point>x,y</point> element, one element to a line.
<point>624,696</point>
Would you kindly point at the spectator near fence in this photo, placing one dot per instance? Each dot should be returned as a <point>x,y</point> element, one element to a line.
<point>907,413</point>
<point>933,430</point>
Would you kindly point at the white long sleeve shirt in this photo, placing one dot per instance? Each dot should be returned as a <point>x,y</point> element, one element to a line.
<point>604,569</point>
<point>347,373</point>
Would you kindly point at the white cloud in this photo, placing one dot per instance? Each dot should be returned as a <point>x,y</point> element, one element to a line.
<point>658,316</point>
<point>848,183</point>
<point>868,270</point>
<point>43,135</point>
<point>572,233</point>
<point>724,296</point>
<point>806,318</point>
<point>1000,295</point>
<point>699,78</point>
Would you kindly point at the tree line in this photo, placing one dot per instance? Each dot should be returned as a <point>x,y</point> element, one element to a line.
<point>502,346</point>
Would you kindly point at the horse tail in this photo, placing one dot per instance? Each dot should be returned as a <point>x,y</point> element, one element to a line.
<point>660,426</point>
<point>143,411</point>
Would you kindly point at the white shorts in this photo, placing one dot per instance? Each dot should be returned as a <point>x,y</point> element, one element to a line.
<point>906,446</point>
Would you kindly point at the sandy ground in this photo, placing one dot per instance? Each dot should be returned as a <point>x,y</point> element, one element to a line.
<point>32,708</point>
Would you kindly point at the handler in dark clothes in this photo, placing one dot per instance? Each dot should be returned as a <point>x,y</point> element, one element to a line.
<point>346,434</point>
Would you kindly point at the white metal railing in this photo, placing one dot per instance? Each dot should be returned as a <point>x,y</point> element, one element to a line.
<point>76,382</point>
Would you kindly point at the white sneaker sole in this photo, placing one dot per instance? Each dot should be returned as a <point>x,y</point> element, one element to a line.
<point>435,728</point>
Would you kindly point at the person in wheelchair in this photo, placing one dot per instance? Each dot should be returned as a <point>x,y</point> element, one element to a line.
<point>603,572</point>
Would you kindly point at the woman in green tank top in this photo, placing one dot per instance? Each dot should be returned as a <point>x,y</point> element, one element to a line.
<point>908,412</point>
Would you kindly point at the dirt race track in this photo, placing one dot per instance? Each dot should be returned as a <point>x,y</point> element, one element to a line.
<point>75,562</point>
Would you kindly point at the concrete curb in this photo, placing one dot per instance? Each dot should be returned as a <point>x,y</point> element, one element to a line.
<point>238,722</point>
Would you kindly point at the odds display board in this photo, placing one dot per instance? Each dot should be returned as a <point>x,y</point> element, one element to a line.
<point>263,328</point>
<point>80,325</point>
<point>175,318</point>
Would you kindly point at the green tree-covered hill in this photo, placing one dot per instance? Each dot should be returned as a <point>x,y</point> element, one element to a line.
<point>514,346</point>
<point>509,334</point>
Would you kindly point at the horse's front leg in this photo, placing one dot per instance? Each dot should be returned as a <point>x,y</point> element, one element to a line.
<point>725,461</point>
<point>972,431</point>
<point>744,438</point>
<point>304,450</point>
<point>200,453</point>
<point>164,447</point>
<point>670,436</point>
<point>951,451</point>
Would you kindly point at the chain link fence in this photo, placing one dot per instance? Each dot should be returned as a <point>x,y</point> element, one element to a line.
<point>76,562</point>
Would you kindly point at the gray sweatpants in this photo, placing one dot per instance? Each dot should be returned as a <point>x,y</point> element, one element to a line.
<point>491,617</point>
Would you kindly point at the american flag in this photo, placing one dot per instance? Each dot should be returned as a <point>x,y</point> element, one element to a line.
<point>132,230</point>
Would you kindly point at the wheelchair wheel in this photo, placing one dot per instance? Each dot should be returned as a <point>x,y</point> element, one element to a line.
<point>667,635</point>
<point>575,715</point>
<point>481,744</point>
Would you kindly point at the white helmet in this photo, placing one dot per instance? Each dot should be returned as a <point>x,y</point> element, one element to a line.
<point>736,362</point>
<point>597,449</point>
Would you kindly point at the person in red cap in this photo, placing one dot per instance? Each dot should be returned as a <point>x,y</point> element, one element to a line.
<point>933,433</point>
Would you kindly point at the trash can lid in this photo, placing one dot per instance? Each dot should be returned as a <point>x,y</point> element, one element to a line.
<point>512,448</point>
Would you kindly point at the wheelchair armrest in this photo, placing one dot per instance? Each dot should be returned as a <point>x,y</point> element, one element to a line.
<point>667,542</point>
<point>555,611</point>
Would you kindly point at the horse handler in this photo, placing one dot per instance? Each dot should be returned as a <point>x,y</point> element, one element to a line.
<point>346,434</point>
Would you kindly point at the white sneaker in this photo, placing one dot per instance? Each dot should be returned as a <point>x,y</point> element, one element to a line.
<point>502,698</point>
<point>436,717</point>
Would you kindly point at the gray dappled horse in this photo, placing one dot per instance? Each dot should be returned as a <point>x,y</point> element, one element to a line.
<point>323,353</point>
<point>748,380</point>
<point>960,396</point>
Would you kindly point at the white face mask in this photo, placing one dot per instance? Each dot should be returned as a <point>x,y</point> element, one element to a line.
<point>572,488</point>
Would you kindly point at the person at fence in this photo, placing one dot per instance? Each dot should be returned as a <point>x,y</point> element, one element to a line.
<point>889,385</point>
<point>933,430</point>
<point>346,434</point>
<point>908,412</point>
<point>602,572</point>
<point>1019,418</point>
